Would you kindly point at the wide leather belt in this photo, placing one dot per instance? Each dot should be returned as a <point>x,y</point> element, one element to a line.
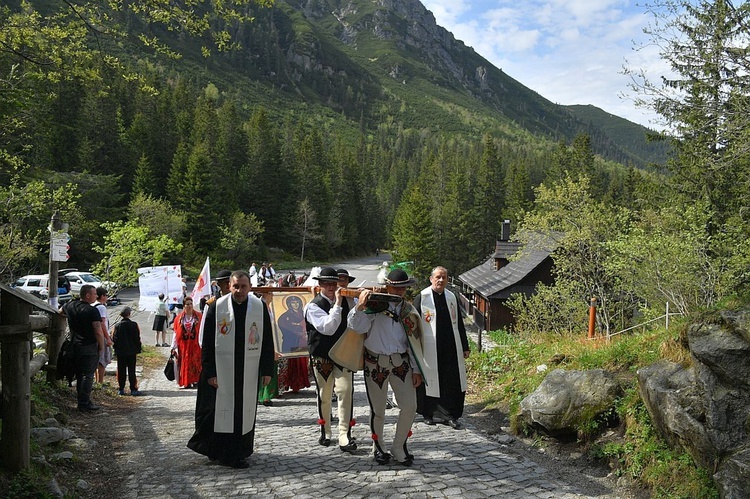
<point>386,360</point>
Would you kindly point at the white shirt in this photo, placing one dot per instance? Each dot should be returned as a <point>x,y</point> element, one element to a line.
<point>102,309</point>
<point>386,336</point>
<point>324,322</point>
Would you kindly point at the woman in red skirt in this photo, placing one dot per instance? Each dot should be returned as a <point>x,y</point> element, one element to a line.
<point>185,346</point>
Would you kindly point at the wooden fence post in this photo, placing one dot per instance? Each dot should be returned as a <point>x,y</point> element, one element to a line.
<point>15,339</point>
<point>592,318</point>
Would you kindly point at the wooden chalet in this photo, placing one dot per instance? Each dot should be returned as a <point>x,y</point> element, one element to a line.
<point>511,269</point>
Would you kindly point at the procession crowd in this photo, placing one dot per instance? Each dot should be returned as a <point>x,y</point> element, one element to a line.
<point>415,350</point>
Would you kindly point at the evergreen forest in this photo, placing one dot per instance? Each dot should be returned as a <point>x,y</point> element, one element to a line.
<point>255,131</point>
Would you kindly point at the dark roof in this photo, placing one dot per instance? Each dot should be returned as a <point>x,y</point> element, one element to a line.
<point>500,283</point>
<point>506,249</point>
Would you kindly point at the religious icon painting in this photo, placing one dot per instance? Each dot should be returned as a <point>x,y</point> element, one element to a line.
<point>289,329</point>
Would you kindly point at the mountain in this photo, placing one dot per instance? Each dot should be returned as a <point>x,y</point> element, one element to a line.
<point>628,135</point>
<point>375,61</point>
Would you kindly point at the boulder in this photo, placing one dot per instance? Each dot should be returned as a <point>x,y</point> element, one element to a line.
<point>50,435</point>
<point>705,409</point>
<point>675,404</point>
<point>733,474</point>
<point>568,400</point>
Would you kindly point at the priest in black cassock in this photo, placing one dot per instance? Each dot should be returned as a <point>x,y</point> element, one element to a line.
<point>440,399</point>
<point>237,354</point>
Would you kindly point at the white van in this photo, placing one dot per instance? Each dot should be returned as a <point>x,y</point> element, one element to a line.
<point>38,285</point>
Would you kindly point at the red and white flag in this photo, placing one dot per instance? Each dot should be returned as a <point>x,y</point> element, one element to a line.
<point>202,285</point>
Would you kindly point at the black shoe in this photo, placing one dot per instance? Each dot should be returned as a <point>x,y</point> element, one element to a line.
<point>239,464</point>
<point>382,457</point>
<point>454,424</point>
<point>325,442</point>
<point>429,422</point>
<point>89,408</point>
<point>350,447</point>
<point>406,462</point>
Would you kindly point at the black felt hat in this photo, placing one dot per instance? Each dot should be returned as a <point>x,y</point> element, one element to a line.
<point>345,273</point>
<point>327,274</point>
<point>223,274</point>
<point>398,278</point>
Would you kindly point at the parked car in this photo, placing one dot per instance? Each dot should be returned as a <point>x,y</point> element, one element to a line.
<point>38,285</point>
<point>78,279</point>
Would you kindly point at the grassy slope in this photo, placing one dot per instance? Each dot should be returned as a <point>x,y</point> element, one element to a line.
<point>502,377</point>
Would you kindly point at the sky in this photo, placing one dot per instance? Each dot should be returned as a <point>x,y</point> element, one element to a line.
<point>569,51</point>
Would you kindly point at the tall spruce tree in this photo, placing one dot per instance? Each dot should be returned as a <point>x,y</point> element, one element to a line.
<point>705,104</point>
<point>414,232</point>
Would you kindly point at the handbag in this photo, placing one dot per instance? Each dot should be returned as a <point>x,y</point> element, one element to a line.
<point>349,350</point>
<point>169,368</point>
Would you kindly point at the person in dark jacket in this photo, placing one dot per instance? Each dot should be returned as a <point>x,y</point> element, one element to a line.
<point>87,338</point>
<point>127,344</point>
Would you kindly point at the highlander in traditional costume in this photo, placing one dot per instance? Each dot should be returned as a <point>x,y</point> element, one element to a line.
<point>393,355</point>
<point>325,316</point>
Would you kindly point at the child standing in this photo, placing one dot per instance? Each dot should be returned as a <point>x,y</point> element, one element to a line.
<point>127,343</point>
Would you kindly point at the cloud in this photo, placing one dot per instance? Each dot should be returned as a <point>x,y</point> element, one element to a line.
<point>570,51</point>
<point>448,11</point>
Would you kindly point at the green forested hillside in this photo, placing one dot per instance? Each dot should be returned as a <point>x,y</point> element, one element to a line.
<point>627,135</point>
<point>345,106</point>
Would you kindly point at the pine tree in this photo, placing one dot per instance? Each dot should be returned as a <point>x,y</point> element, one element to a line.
<point>145,180</point>
<point>489,198</point>
<point>264,179</point>
<point>414,232</point>
<point>520,192</point>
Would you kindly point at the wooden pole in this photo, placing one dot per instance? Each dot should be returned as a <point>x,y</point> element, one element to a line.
<point>57,331</point>
<point>15,338</point>
<point>592,318</point>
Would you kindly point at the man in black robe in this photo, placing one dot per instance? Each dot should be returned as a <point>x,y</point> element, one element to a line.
<point>231,448</point>
<point>445,348</point>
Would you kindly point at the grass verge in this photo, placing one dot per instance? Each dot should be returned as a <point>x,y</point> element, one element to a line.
<point>501,377</point>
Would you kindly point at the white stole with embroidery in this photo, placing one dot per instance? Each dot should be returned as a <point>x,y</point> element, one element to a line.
<point>429,328</point>
<point>225,371</point>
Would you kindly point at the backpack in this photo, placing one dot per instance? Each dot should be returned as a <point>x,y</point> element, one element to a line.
<point>66,361</point>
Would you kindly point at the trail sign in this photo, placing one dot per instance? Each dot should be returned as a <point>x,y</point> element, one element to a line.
<point>60,247</point>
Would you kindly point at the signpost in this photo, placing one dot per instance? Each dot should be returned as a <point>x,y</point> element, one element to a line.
<point>60,246</point>
<point>58,252</point>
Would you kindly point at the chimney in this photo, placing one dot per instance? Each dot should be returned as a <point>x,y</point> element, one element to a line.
<point>505,232</point>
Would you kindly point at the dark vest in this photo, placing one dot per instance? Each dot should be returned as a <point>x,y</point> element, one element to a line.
<point>320,344</point>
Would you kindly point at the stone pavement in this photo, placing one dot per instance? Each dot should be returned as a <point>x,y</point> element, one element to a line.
<point>288,462</point>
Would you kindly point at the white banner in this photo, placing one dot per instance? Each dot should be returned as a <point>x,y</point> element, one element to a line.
<point>153,281</point>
